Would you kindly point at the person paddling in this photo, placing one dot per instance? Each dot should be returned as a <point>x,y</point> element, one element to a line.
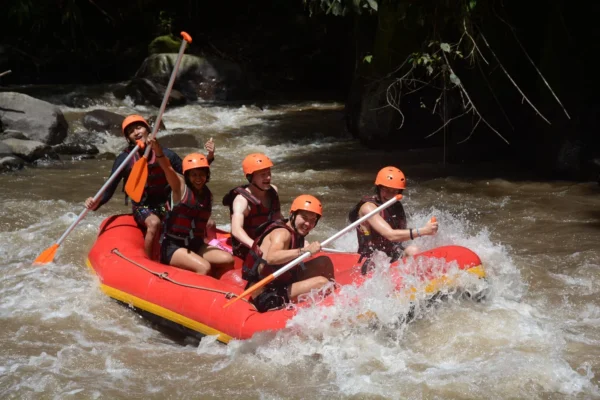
<point>189,209</point>
<point>150,211</point>
<point>387,230</point>
<point>252,206</point>
<point>281,242</point>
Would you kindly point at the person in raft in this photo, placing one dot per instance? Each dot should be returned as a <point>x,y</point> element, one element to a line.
<point>387,230</point>
<point>150,211</point>
<point>188,212</point>
<point>253,205</point>
<point>281,242</point>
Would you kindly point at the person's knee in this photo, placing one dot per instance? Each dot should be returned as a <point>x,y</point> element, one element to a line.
<point>153,224</point>
<point>203,267</point>
<point>319,282</point>
<point>411,251</point>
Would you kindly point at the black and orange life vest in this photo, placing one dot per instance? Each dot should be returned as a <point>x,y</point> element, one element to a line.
<point>257,217</point>
<point>371,241</point>
<point>157,189</point>
<point>187,220</point>
<point>254,258</point>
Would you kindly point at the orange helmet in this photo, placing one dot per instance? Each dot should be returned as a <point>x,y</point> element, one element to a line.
<point>255,162</point>
<point>130,120</point>
<point>307,202</point>
<point>194,160</point>
<point>391,177</point>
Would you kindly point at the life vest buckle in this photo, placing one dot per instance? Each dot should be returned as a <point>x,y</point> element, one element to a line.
<point>163,275</point>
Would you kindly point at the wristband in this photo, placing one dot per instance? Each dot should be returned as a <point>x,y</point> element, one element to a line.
<point>411,235</point>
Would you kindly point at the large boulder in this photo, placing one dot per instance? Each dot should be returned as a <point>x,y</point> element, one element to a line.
<point>103,121</point>
<point>10,163</point>
<point>178,140</point>
<point>30,150</point>
<point>164,44</point>
<point>5,150</point>
<point>146,91</point>
<point>37,119</point>
<point>198,77</point>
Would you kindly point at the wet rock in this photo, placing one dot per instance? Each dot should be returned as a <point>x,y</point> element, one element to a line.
<point>30,150</point>
<point>106,156</point>
<point>75,148</point>
<point>178,140</point>
<point>198,77</point>
<point>75,100</point>
<point>103,121</point>
<point>146,91</point>
<point>81,157</point>
<point>5,150</point>
<point>11,163</point>
<point>35,118</point>
<point>12,134</point>
<point>164,44</point>
<point>152,119</point>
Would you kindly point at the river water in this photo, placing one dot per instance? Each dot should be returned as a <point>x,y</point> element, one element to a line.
<point>535,335</point>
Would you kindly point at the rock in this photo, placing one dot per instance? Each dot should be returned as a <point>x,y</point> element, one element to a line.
<point>30,150</point>
<point>164,44</point>
<point>103,121</point>
<point>152,119</point>
<point>37,119</point>
<point>12,134</point>
<point>178,140</point>
<point>75,148</point>
<point>106,156</point>
<point>5,150</point>
<point>207,78</point>
<point>145,91</point>
<point>11,163</point>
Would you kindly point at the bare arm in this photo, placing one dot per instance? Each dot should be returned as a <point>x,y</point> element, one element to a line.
<point>240,209</point>
<point>277,251</point>
<point>379,225</point>
<point>175,181</point>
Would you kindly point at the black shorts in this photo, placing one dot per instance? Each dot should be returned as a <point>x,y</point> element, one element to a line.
<point>272,298</point>
<point>169,246</point>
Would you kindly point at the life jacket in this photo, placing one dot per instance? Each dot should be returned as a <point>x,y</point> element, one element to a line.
<point>258,216</point>
<point>157,189</point>
<point>254,258</point>
<point>371,241</point>
<point>187,220</point>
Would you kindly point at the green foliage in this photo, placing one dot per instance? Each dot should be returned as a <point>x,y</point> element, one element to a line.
<point>368,59</point>
<point>341,7</point>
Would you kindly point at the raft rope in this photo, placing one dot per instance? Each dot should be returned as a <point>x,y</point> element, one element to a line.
<point>165,276</point>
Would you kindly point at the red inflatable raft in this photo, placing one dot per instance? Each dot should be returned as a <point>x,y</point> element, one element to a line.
<point>195,302</point>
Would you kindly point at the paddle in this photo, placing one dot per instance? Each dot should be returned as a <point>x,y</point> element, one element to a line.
<point>48,255</point>
<point>139,173</point>
<point>5,72</point>
<point>298,260</point>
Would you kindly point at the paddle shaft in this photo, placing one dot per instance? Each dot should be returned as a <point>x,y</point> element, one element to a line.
<point>110,180</point>
<point>5,72</point>
<point>298,260</point>
<point>163,106</point>
<point>353,225</point>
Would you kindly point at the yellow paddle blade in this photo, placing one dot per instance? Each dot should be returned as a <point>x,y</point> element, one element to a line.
<point>137,180</point>
<point>47,255</point>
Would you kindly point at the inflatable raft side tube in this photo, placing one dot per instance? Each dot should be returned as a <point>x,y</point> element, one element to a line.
<point>161,312</point>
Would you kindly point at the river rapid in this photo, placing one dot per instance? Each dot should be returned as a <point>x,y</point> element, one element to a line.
<point>535,335</point>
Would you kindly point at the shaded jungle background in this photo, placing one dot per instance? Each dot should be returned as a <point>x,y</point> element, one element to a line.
<point>411,74</point>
